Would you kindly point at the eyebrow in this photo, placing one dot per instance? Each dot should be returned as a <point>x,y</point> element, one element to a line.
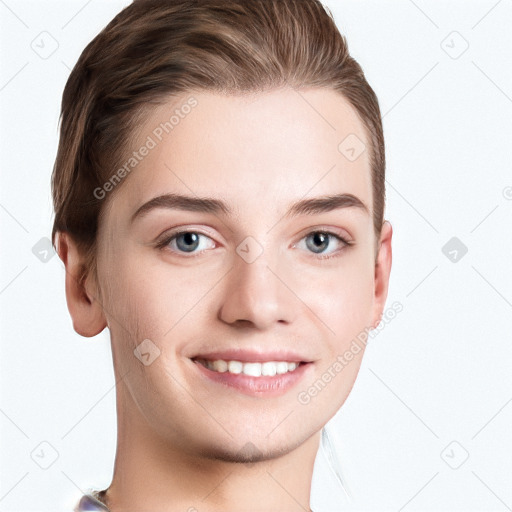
<point>311,206</point>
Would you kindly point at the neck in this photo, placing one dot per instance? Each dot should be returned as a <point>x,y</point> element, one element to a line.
<point>152,473</point>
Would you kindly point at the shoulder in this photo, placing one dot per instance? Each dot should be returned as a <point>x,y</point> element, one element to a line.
<point>90,503</point>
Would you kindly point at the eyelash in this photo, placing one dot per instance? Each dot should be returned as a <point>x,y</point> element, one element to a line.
<point>163,244</point>
<point>346,243</point>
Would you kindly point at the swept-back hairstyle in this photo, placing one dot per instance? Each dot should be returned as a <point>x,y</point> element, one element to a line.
<point>156,49</point>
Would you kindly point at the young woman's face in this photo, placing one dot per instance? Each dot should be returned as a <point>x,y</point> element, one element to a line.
<point>250,281</point>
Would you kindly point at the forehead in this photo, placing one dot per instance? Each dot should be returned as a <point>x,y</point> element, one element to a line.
<point>272,147</point>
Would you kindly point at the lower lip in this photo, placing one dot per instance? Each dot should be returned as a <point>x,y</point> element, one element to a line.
<point>257,386</point>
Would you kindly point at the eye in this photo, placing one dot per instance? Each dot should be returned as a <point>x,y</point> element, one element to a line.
<point>318,241</point>
<point>186,242</point>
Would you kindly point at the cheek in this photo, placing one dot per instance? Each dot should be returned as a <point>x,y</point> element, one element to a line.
<point>336,372</point>
<point>154,299</point>
<point>343,301</point>
<point>342,298</point>
<point>348,301</point>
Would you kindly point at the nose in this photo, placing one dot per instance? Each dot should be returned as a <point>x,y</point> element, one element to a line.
<point>257,294</point>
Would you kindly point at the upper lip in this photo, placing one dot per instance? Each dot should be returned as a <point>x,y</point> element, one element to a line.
<point>252,355</point>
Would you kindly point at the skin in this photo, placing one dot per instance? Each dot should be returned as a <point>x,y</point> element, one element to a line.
<point>180,438</point>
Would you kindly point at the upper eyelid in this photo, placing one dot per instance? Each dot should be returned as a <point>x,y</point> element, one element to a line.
<point>341,233</point>
<point>315,229</point>
<point>312,229</point>
<point>179,230</point>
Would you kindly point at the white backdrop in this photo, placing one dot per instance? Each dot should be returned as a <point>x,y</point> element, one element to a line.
<point>427,425</point>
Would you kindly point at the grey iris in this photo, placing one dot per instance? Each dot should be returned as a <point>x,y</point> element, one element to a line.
<point>322,238</point>
<point>190,238</point>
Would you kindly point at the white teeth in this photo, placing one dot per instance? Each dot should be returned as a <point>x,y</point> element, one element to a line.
<point>220,366</point>
<point>235,367</point>
<point>252,369</point>
<point>267,369</point>
<point>281,367</point>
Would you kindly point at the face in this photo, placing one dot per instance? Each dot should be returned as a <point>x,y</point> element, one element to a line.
<point>244,277</point>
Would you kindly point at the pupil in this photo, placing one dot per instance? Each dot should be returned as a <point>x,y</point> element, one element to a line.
<point>190,238</point>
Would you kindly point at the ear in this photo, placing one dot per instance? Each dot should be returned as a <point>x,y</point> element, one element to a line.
<point>382,272</point>
<point>85,310</point>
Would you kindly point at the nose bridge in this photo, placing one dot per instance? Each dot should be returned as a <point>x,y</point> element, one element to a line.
<point>254,293</point>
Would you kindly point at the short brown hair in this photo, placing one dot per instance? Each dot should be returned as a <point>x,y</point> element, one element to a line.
<point>154,49</point>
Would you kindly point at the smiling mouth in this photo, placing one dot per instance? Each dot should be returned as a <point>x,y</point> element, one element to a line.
<point>251,369</point>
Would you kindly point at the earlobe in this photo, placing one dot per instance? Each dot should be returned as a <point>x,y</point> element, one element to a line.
<point>382,271</point>
<point>85,309</point>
